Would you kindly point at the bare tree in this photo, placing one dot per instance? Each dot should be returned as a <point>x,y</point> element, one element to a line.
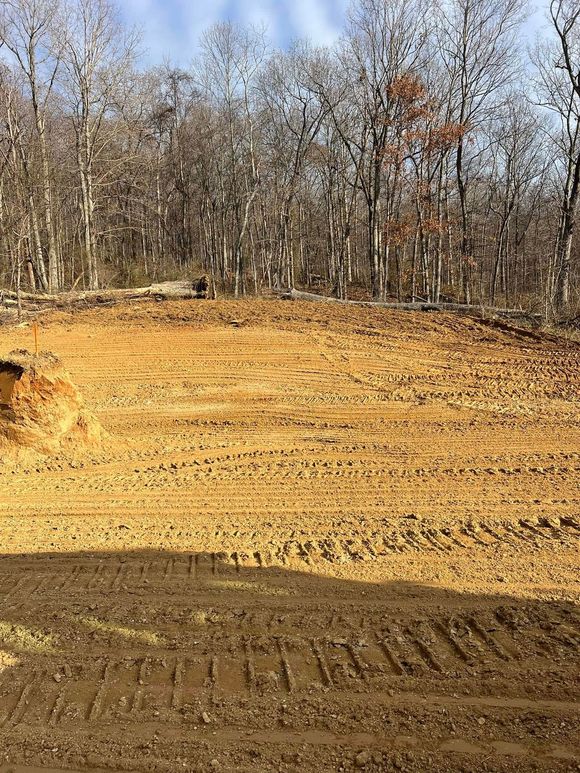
<point>98,55</point>
<point>232,58</point>
<point>402,161</point>
<point>384,41</point>
<point>558,65</point>
<point>518,151</point>
<point>27,29</point>
<point>22,166</point>
<point>294,116</point>
<point>477,40</point>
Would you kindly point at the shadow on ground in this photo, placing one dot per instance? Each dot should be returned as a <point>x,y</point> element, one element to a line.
<point>131,661</point>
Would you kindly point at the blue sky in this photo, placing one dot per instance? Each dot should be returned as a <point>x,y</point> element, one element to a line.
<point>172,27</point>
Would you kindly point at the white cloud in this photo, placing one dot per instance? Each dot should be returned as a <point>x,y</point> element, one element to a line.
<point>150,17</point>
<point>264,13</point>
<point>172,28</point>
<point>314,19</point>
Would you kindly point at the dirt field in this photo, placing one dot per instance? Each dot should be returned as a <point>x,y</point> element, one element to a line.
<point>319,539</point>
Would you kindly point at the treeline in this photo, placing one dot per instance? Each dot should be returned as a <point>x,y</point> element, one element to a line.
<point>428,155</point>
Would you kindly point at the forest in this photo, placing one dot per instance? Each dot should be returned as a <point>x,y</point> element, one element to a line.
<point>432,153</point>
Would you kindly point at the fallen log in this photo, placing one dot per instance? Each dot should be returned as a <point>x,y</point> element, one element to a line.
<point>180,290</point>
<point>478,311</point>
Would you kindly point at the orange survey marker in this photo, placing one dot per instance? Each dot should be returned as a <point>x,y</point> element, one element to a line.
<point>35,331</point>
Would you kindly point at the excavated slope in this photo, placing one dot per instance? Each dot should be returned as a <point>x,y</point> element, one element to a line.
<point>40,407</point>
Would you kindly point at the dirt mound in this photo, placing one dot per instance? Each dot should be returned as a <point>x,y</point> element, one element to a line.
<point>40,407</point>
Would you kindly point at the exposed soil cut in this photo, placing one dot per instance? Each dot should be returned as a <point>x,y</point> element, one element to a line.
<point>40,407</point>
<point>320,539</point>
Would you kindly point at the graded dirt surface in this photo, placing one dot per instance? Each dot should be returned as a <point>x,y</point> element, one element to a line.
<point>317,538</point>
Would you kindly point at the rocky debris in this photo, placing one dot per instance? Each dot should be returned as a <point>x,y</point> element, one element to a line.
<point>40,407</point>
<point>267,682</point>
<point>362,758</point>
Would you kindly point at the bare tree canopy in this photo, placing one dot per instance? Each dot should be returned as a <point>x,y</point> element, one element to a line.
<point>425,157</point>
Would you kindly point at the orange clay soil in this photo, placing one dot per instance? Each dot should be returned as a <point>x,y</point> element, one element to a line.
<point>319,539</point>
<point>40,407</point>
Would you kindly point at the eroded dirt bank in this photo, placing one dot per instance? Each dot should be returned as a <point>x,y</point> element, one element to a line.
<point>318,539</point>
